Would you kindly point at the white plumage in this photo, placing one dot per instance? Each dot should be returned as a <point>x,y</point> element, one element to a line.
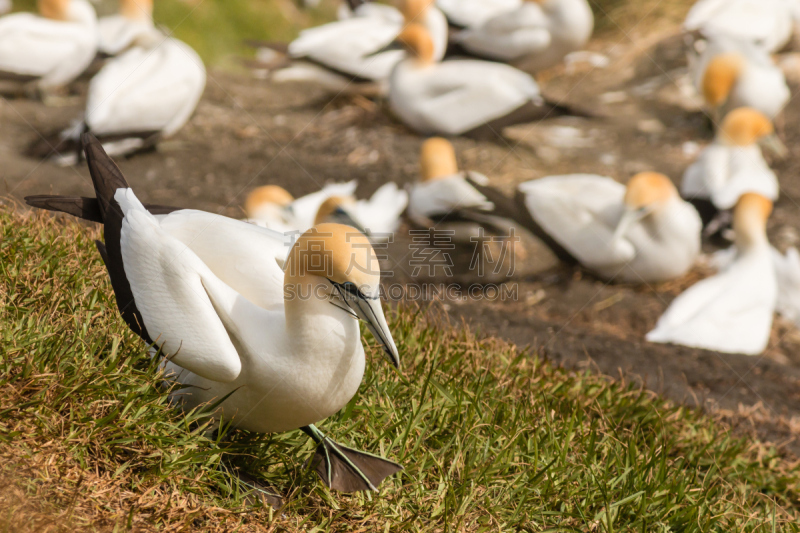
<point>380,215</point>
<point>767,23</point>
<point>445,195</point>
<point>117,32</point>
<point>54,52</point>
<point>473,13</point>
<point>540,35</point>
<point>587,215</point>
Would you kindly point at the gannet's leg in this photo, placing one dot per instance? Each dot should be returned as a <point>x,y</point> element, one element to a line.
<point>345,469</point>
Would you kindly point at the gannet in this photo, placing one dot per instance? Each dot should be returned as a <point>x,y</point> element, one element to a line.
<point>272,207</point>
<point>460,97</point>
<point>473,13</point>
<point>352,52</point>
<point>272,369</point>
<point>50,49</point>
<point>733,165</point>
<point>642,232</point>
<point>117,32</point>
<point>766,23</point>
<point>731,311</point>
<point>537,35</point>
<point>732,73</point>
<point>140,97</point>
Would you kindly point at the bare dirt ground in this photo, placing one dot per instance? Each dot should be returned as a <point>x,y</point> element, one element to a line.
<point>247,132</point>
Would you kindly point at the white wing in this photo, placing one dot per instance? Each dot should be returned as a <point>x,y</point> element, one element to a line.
<point>244,256</point>
<point>146,89</point>
<point>473,13</point>
<point>748,173</point>
<point>304,209</point>
<point>443,196</point>
<point>380,215</point>
<point>35,46</point>
<point>117,32</point>
<point>511,35</point>
<point>729,312</point>
<point>166,280</point>
<point>581,212</point>
<point>457,96</point>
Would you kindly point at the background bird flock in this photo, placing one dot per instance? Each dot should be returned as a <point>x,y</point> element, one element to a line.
<point>642,175</point>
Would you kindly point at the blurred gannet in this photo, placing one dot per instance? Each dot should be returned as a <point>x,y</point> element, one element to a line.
<point>272,207</point>
<point>140,97</point>
<point>355,51</point>
<point>474,13</point>
<point>446,198</point>
<point>766,23</point>
<point>117,32</point>
<point>731,311</point>
<point>273,370</point>
<point>731,74</point>
<point>538,34</point>
<point>733,165</point>
<point>642,232</point>
<point>461,96</point>
<point>50,49</point>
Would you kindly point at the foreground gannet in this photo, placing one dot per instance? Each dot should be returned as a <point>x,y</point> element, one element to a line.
<point>355,51</point>
<point>731,311</point>
<point>460,97</point>
<point>474,13</point>
<point>276,369</point>
<point>538,34</point>
<point>117,32</point>
<point>733,165</point>
<point>445,197</point>
<point>732,73</point>
<point>49,50</point>
<point>642,232</point>
<point>140,97</point>
<point>766,23</point>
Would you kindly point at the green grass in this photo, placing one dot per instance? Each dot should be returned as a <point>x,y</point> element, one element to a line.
<point>492,439</point>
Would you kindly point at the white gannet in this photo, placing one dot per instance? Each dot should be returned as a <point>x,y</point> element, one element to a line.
<point>356,51</point>
<point>538,34</point>
<point>272,207</point>
<point>143,95</point>
<point>766,23</point>
<point>732,73</point>
<point>733,165</point>
<point>642,232</point>
<point>117,32</point>
<point>273,369</point>
<point>444,197</point>
<point>50,49</point>
<point>473,13</point>
<point>460,97</point>
<point>379,216</point>
<point>787,272</point>
<point>731,311</point>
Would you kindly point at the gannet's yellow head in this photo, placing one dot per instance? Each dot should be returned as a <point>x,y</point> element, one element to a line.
<point>437,159</point>
<point>750,219</point>
<point>649,190</point>
<point>720,76</point>
<point>54,9</point>
<point>266,195</point>
<point>136,9</point>
<point>745,126</point>
<point>345,258</point>
<point>417,41</point>
<point>415,10</point>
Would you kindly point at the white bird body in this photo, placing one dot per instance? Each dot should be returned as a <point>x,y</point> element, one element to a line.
<point>722,173</point>
<point>757,82</point>
<point>154,88</point>
<point>582,213</point>
<point>787,272</point>
<point>538,35</point>
<point>54,52</point>
<point>429,200</point>
<point>380,215</point>
<point>457,96</point>
<point>340,51</point>
<point>303,211</point>
<point>767,23</point>
<point>474,13</point>
<point>117,32</point>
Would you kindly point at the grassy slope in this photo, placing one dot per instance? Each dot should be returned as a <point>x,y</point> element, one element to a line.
<point>491,439</point>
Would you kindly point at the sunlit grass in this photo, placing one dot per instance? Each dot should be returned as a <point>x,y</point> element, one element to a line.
<point>492,439</point>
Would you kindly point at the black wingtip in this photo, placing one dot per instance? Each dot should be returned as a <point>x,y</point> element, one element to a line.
<point>85,208</point>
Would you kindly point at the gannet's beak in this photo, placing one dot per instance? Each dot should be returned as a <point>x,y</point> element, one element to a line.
<point>370,311</point>
<point>774,145</point>
<point>368,308</point>
<point>629,217</point>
